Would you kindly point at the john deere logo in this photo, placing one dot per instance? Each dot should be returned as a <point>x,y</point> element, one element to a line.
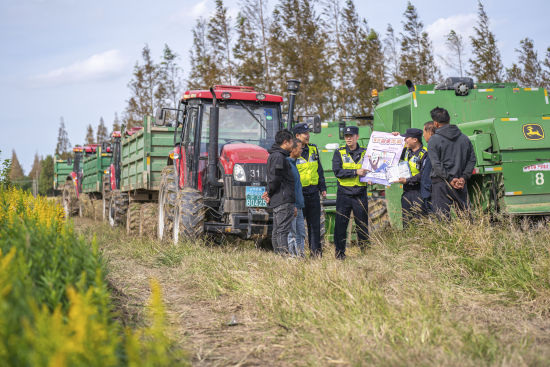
<point>533,132</point>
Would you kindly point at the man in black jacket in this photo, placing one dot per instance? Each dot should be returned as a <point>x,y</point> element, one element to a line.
<point>453,160</point>
<point>280,190</point>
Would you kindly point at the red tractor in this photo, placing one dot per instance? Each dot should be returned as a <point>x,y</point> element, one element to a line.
<point>216,173</point>
<point>111,180</point>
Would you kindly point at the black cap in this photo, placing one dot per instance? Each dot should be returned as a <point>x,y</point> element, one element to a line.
<point>300,128</point>
<point>351,130</point>
<point>413,133</point>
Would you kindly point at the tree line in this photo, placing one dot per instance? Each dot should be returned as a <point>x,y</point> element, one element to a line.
<point>327,45</point>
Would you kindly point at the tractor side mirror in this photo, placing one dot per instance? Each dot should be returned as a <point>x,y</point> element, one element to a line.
<point>316,124</point>
<point>69,161</point>
<point>341,127</point>
<point>160,116</point>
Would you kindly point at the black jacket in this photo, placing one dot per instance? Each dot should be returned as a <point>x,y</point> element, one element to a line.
<point>321,186</point>
<point>280,180</point>
<point>425,179</point>
<point>451,153</point>
<point>339,172</point>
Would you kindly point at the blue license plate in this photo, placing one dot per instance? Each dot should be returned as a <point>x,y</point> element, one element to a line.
<point>254,196</point>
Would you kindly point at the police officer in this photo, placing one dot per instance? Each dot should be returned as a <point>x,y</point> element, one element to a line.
<point>313,184</point>
<point>351,196</point>
<point>415,153</point>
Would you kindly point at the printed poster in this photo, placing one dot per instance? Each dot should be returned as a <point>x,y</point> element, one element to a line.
<point>383,151</point>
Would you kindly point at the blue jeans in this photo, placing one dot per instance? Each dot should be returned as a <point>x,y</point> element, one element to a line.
<point>297,235</point>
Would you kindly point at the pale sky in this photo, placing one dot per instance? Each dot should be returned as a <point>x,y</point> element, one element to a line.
<point>74,59</point>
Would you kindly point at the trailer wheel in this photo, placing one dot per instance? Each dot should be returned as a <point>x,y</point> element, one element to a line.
<point>189,219</point>
<point>168,199</point>
<point>105,198</point>
<point>133,218</point>
<point>148,220</point>
<point>378,214</point>
<point>118,206</point>
<point>71,204</point>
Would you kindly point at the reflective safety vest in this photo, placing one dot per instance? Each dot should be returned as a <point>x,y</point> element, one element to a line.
<point>348,163</point>
<point>308,168</point>
<point>414,161</point>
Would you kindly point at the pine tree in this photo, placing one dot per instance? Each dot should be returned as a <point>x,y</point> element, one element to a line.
<point>417,61</point>
<point>170,78</point>
<point>145,90</point>
<point>298,50</point>
<point>16,171</point>
<point>219,37</point>
<point>62,149</point>
<point>455,45</point>
<point>36,167</point>
<point>204,71</point>
<point>89,135</point>
<point>486,65</point>
<point>102,133</point>
<point>250,69</point>
<point>116,123</point>
<point>45,180</point>
<point>528,71</point>
<point>370,69</point>
<point>391,56</point>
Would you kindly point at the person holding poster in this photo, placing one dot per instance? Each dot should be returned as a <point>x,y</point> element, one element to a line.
<point>347,165</point>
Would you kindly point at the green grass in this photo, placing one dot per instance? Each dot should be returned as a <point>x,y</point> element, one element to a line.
<point>461,293</point>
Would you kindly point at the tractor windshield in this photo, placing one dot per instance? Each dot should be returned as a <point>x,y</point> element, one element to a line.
<point>244,122</point>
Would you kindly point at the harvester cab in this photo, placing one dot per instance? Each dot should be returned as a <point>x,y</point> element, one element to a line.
<point>217,170</point>
<point>507,126</point>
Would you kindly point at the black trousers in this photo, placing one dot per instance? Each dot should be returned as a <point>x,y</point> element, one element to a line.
<point>312,214</point>
<point>444,196</point>
<point>345,204</point>
<point>411,204</point>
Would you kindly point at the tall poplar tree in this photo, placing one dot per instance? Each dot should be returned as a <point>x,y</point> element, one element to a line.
<point>16,171</point>
<point>36,166</point>
<point>204,70</point>
<point>45,179</point>
<point>417,61</point>
<point>170,78</point>
<point>63,146</point>
<point>546,70</point>
<point>253,57</point>
<point>89,135</point>
<point>528,71</point>
<point>486,64</point>
<point>298,50</point>
<point>455,46</point>
<point>116,123</point>
<point>144,86</point>
<point>219,36</point>
<point>392,56</point>
<point>102,132</point>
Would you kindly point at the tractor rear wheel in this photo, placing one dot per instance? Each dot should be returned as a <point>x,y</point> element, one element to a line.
<point>71,204</point>
<point>378,214</point>
<point>148,220</point>
<point>133,218</point>
<point>118,206</point>
<point>189,219</point>
<point>168,199</point>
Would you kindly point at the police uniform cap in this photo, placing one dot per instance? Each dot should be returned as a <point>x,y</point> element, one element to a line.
<point>413,133</point>
<point>300,128</point>
<point>351,130</point>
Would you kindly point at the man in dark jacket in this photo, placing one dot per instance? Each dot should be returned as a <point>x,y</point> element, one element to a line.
<point>280,190</point>
<point>453,160</point>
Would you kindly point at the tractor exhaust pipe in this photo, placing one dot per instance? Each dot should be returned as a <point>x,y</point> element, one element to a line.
<point>293,86</point>
<point>213,145</point>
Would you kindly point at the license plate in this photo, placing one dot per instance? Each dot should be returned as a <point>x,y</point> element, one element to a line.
<point>254,196</point>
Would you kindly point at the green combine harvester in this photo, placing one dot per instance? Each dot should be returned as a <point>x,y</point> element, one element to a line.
<point>506,124</point>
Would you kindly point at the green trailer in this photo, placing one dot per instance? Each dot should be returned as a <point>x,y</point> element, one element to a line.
<point>144,153</point>
<point>93,170</point>
<point>62,168</point>
<point>506,124</point>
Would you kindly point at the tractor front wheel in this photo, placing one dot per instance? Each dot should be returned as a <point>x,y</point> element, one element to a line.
<point>189,219</point>
<point>118,206</point>
<point>378,214</point>
<point>133,218</point>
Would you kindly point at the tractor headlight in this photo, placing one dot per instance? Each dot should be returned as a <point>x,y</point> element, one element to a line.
<point>238,173</point>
